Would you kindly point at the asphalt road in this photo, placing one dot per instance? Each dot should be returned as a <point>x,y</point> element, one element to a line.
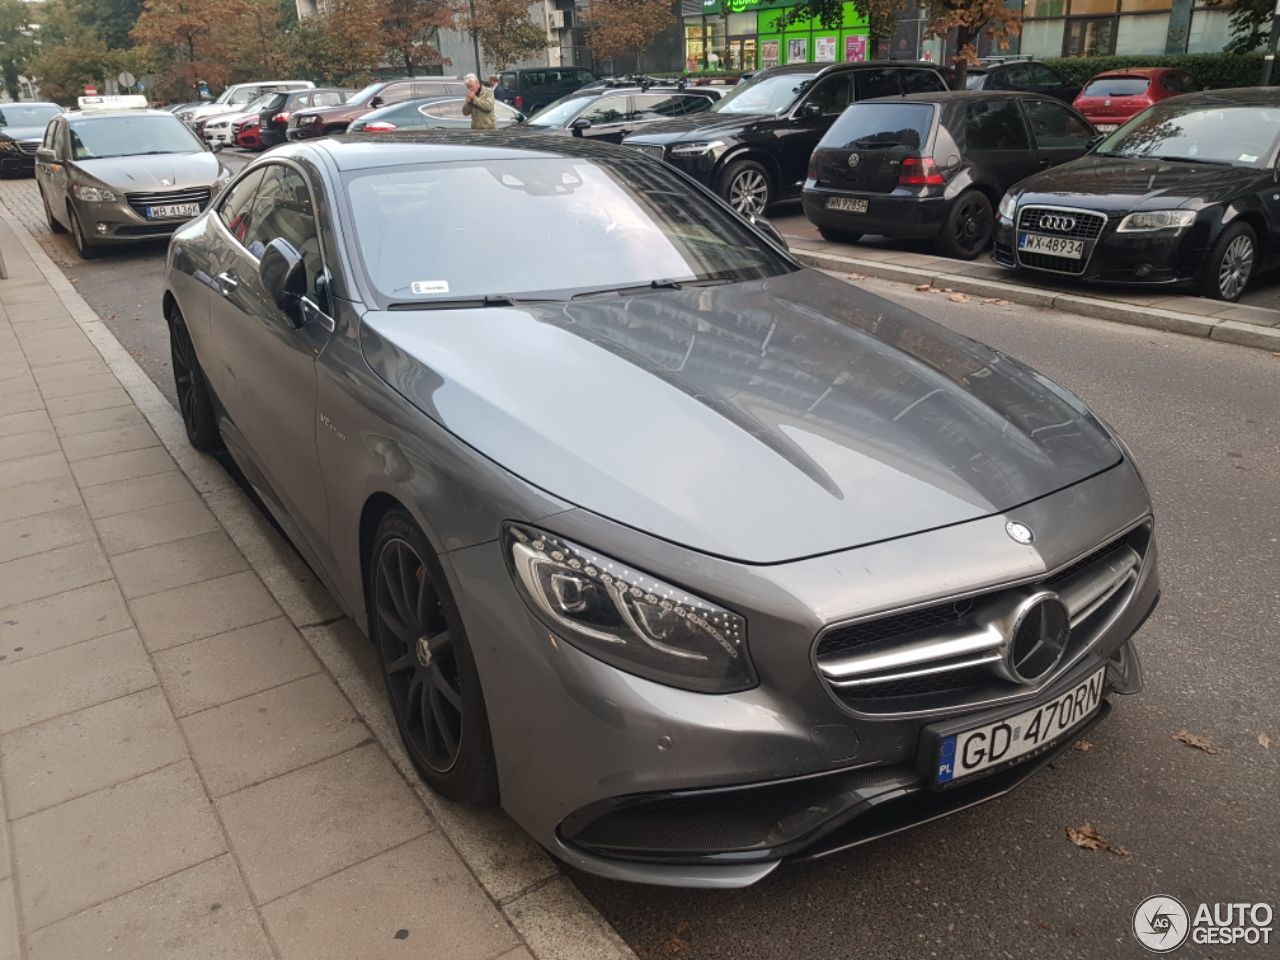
<point>1003,880</point>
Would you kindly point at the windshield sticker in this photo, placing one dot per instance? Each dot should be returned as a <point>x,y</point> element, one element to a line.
<point>1248,158</point>
<point>421,287</point>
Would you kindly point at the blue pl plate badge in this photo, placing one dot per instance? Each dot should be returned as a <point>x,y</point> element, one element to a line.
<point>947,760</point>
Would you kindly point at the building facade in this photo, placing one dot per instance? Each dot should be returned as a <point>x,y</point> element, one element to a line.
<point>747,35</point>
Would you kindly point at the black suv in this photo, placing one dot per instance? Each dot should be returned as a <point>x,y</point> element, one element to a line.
<point>612,112</point>
<point>753,146</point>
<point>934,166</point>
<point>1030,76</point>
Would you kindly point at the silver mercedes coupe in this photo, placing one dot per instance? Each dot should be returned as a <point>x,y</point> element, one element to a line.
<point>697,560</point>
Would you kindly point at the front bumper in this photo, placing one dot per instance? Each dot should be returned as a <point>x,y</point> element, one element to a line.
<point>122,223</point>
<point>1150,259</point>
<point>906,216</point>
<point>309,132</point>
<point>577,740</point>
<point>17,163</point>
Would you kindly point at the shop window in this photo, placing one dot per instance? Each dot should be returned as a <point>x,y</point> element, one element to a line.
<point>1094,37</point>
<point>1143,34</point>
<point>1042,38</point>
<point>1210,31</point>
<point>742,23</point>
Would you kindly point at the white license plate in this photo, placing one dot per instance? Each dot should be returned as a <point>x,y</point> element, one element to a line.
<point>996,744</point>
<point>171,211</point>
<point>1107,127</point>
<point>1053,246</point>
<point>847,204</point>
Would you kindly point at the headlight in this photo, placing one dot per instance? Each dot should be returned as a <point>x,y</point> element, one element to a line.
<point>1008,206</point>
<point>697,149</point>
<point>93,194</point>
<point>627,618</point>
<point>9,146</point>
<point>1157,220</point>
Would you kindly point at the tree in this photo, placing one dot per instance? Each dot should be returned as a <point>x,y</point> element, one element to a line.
<point>17,43</point>
<point>191,38</point>
<point>968,18</point>
<point>1250,24</point>
<point>341,46</point>
<point>505,31</point>
<point>409,30</point>
<point>627,26</point>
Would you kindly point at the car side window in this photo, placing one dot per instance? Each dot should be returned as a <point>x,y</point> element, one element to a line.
<point>1042,75</point>
<point>877,83</point>
<point>428,88</point>
<point>51,134</point>
<point>504,113</point>
<point>236,209</point>
<point>282,209</point>
<point>656,106</point>
<point>607,110</point>
<point>696,104</point>
<point>994,125</point>
<point>1056,126</point>
<point>920,81</point>
<point>832,94</point>
<point>1016,77</point>
<point>326,99</point>
<point>445,110</point>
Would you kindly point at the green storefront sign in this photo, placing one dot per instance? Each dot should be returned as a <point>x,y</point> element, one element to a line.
<point>746,35</point>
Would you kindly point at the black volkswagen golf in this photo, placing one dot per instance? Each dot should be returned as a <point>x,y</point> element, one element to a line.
<point>1186,193</point>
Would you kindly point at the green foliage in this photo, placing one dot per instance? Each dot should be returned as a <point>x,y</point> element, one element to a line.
<point>1250,23</point>
<point>1213,70</point>
<point>16,42</point>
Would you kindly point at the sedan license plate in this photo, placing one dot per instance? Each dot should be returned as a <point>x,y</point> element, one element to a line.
<point>171,211</point>
<point>963,754</point>
<point>1053,246</point>
<point>847,204</point>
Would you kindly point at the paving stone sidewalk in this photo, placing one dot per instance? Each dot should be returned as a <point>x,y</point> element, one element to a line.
<point>195,757</point>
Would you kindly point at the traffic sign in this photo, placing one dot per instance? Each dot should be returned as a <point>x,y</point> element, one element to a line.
<point>127,79</point>
<point>90,90</point>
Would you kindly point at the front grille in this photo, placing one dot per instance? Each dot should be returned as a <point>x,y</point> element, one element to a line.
<point>943,656</point>
<point>1087,226</point>
<point>29,146</point>
<point>650,149</point>
<point>140,201</point>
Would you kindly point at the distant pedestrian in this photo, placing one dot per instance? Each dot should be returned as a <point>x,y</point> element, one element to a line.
<point>479,106</point>
<point>499,91</point>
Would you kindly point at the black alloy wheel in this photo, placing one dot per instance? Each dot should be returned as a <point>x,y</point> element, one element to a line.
<point>427,664</point>
<point>195,403</point>
<point>968,228</point>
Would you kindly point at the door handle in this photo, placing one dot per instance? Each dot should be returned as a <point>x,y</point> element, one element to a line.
<point>227,283</point>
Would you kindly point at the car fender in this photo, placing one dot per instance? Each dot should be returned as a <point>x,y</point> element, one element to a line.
<point>967,179</point>
<point>745,151</point>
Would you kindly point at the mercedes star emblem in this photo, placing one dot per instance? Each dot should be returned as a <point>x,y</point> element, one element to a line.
<point>1019,531</point>
<point>1038,638</point>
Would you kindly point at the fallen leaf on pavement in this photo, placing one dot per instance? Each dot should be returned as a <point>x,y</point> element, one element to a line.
<point>1083,745</point>
<point>677,943</point>
<point>959,298</point>
<point>928,286</point>
<point>856,276</point>
<point>1264,741</point>
<point>1086,837</point>
<point>1195,740</point>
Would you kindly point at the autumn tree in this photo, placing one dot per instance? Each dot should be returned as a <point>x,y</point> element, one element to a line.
<point>340,46</point>
<point>627,26</point>
<point>190,36</point>
<point>17,43</point>
<point>505,31</point>
<point>410,29</point>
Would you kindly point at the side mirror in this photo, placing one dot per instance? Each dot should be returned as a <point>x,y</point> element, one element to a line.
<point>284,277</point>
<point>46,155</point>
<point>582,123</point>
<point>811,110</point>
<point>769,230</point>
<point>376,102</point>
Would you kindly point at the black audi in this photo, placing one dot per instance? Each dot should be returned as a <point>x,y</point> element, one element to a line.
<point>1185,194</point>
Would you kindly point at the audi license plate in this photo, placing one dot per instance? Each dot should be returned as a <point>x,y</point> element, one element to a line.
<point>847,204</point>
<point>1001,743</point>
<point>171,211</point>
<point>1053,246</point>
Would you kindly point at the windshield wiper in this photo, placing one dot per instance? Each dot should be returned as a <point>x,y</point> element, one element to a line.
<point>667,284</point>
<point>1216,163</point>
<point>457,303</point>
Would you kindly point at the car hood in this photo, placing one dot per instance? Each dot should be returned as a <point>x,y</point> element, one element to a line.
<point>163,172</point>
<point>696,127</point>
<point>1118,184</point>
<point>211,110</point>
<point>762,422</point>
<point>22,133</point>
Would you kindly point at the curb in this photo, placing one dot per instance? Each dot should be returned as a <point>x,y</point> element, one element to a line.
<point>526,885</point>
<point>1170,321</point>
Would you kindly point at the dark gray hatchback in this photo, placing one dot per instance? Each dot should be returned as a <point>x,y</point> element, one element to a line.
<point>934,166</point>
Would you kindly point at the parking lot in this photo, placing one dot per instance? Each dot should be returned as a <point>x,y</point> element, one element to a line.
<point>1005,879</point>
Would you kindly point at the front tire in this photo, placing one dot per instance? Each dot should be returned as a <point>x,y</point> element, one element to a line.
<point>1230,264</point>
<point>968,228</point>
<point>87,249</point>
<point>746,187</point>
<point>195,402</point>
<point>427,664</point>
<point>54,225</point>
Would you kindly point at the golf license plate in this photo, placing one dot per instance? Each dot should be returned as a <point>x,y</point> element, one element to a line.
<point>171,211</point>
<point>963,754</point>
<point>847,204</point>
<point>1053,246</point>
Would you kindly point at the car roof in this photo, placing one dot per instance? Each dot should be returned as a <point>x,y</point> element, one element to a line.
<point>28,103</point>
<point>1231,97</point>
<point>97,114</point>
<point>356,151</point>
<point>1135,72</point>
<point>817,68</point>
<point>949,96</point>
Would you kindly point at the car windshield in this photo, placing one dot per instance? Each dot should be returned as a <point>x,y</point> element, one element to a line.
<point>1239,136</point>
<point>764,94</point>
<point>16,115</point>
<point>561,112</point>
<point>123,136</point>
<point>255,106</point>
<point>368,93</point>
<point>1116,87</point>
<point>273,101</point>
<point>582,227</point>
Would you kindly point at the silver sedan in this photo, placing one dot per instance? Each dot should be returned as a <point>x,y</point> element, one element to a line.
<point>698,560</point>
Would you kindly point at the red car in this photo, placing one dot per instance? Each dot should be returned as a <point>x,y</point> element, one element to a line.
<point>247,132</point>
<point>1115,97</point>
